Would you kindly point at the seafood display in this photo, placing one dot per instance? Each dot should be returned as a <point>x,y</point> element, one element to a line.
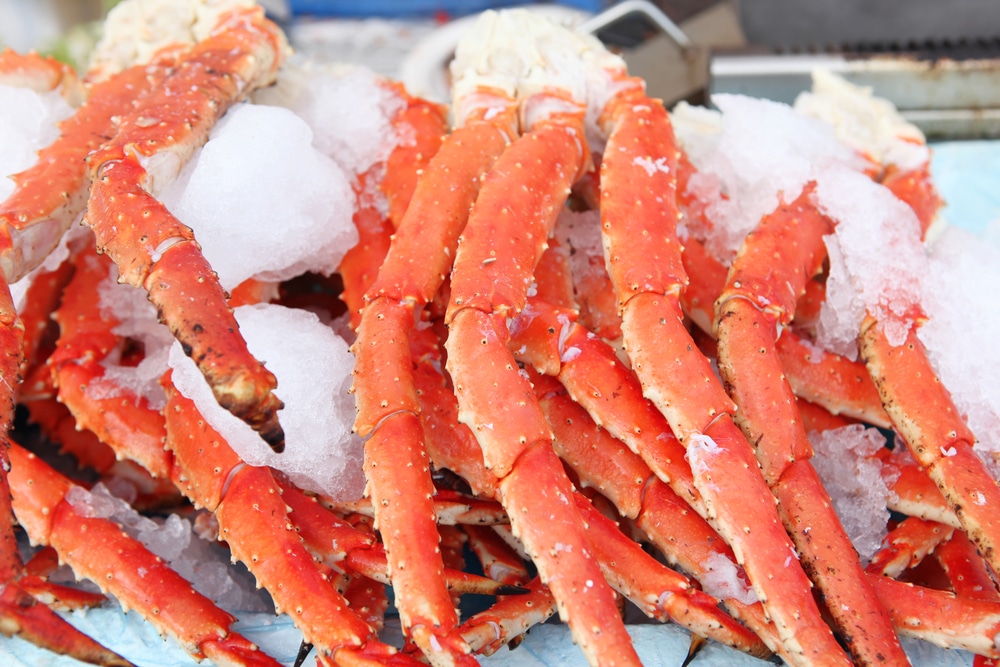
<point>556,345</point>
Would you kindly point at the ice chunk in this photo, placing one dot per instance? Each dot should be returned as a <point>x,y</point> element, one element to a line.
<point>963,278</point>
<point>313,367</point>
<point>262,201</point>
<point>137,321</point>
<point>28,123</point>
<point>877,262</point>
<point>764,153</point>
<point>350,111</point>
<point>843,460</point>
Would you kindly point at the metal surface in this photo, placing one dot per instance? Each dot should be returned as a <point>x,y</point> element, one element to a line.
<point>823,23</point>
<point>642,8</point>
<point>946,97</point>
<point>937,62</point>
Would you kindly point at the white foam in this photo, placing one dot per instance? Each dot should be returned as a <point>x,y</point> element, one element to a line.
<point>313,367</point>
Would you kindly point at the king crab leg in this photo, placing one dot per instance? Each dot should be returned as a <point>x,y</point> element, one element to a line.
<point>97,549</point>
<point>765,280</point>
<point>935,433</point>
<point>384,387</point>
<point>154,250</point>
<point>499,248</point>
<point>648,281</point>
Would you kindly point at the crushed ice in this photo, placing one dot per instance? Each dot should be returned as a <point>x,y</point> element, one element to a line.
<point>844,460</point>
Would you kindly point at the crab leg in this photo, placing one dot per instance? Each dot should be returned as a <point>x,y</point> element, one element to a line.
<point>499,249</point>
<point>153,249</point>
<point>840,385</point>
<point>19,612</point>
<point>648,278</point>
<point>359,267</point>
<point>766,278</point>
<point>97,549</point>
<point>214,477</point>
<point>907,545</point>
<point>384,387</point>
<point>937,436</point>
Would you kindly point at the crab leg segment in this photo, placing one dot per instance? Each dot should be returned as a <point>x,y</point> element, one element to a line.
<point>153,249</point>
<point>637,201</point>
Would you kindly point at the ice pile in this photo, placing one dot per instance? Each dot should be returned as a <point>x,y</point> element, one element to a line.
<point>960,334</point>
<point>262,201</point>
<point>762,152</point>
<point>765,152</point>
<point>173,540</point>
<point>27,124</point>
<point>313,367</point>
<point>877,261</point>
<point>843,460</point>
<point>350,111</point>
